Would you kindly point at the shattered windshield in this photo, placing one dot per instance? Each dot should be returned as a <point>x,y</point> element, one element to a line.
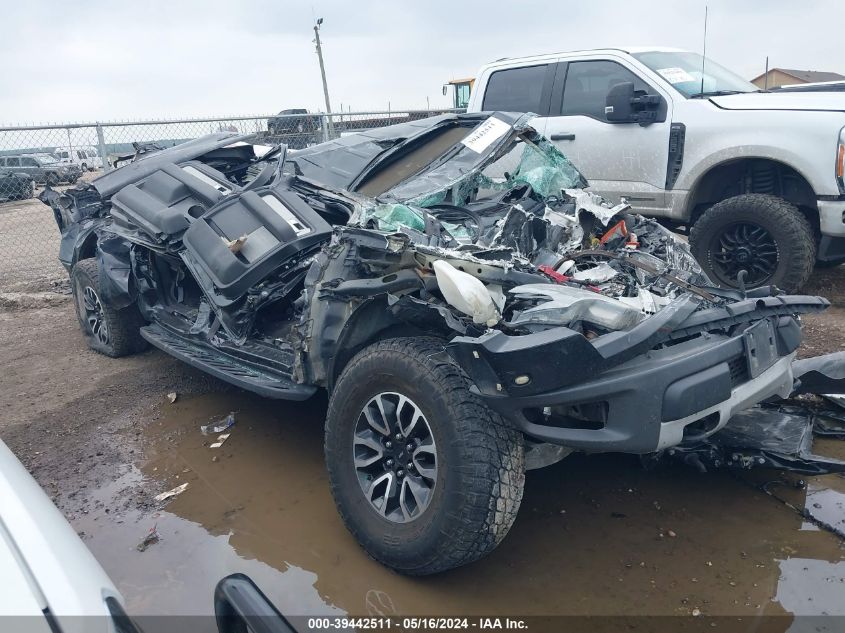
<point>462,175</point>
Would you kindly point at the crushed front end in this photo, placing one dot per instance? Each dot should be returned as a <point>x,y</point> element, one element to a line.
<point>585,325</point>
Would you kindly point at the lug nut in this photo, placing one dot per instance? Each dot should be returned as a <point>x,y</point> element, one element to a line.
<point>410,446</point>
<point>388,444</point>
<point>410,466</point>
<point>389,463</point>
<point>400,473</point>
<point>398,437</point>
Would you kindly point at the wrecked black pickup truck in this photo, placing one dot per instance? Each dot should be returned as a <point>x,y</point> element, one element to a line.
<point>469,307</point>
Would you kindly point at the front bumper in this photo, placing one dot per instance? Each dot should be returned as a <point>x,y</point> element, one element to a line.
<point>832,217</point>
<point>655,400</point>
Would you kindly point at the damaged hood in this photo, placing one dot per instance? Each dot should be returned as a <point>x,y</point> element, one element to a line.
<point>419,162</point>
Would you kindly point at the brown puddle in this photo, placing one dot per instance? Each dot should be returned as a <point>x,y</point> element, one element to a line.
<point>595,535</point>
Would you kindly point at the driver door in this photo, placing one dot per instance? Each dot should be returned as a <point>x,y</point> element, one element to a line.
<point>618,159</point>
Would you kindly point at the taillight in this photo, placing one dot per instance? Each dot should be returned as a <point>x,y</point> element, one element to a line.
<point>840,162</point>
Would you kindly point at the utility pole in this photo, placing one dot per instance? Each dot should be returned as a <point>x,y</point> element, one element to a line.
<point>323,74</point>
<point>766,81</point>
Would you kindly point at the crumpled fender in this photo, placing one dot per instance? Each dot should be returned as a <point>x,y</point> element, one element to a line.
<point>115,266</point>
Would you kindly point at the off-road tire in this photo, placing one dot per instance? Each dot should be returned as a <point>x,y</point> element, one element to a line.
<point>122,325</point>
<point>480,460</point>
<point>790,230</point>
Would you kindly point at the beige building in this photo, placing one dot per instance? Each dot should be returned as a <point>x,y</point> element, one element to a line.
<point>786,76</point>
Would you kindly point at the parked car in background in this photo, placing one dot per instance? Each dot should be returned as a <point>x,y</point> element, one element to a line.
<point>86,158</point>
<point>15,185</point>
<point>759,178</point>
<point>295,128</point>
<point>42,168</point>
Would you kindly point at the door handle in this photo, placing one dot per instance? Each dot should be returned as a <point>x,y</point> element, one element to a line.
<point>563,137</point>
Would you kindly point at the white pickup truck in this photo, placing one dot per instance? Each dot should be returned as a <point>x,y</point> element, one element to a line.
<point>758,177</point>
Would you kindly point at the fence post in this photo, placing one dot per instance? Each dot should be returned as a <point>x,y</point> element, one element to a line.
<point>325,128</point>
<point>101,142</point>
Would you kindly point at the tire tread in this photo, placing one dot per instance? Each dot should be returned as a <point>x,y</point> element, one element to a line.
<point>494,468</point>
<point>799,252</point>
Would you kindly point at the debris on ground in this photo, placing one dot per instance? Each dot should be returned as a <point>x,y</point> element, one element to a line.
<point>178,490</point>
<point>778,434</point>
<point>220,439</point>
<point>171,397</point>
<point>220,426</point>
<point>151,538</point>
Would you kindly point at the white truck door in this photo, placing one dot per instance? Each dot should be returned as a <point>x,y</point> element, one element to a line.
<point>618,159</point>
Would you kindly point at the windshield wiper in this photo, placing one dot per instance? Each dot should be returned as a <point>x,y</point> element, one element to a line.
<point>716,93</point>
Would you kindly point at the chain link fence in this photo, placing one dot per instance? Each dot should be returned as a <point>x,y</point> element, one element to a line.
<point>32,157</point>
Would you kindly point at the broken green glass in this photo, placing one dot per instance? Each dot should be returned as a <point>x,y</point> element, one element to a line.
<point>546,169</point>
<point>392,217</point>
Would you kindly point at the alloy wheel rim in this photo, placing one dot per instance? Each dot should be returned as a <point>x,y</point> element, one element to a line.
<point>744,246</point>
<point>395,457</point>
<point>94,315</point>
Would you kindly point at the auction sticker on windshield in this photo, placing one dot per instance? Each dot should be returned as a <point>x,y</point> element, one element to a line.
<point>675,75</point>
<point>485,134</point>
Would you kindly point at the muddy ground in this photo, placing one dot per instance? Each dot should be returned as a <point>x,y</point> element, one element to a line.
<point>596,535</point>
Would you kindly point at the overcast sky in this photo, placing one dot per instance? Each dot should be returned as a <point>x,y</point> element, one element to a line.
<point>131,59</point>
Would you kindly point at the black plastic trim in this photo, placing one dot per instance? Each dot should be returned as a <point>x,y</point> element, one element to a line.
<point>236,371</point>
<point>677,136</point>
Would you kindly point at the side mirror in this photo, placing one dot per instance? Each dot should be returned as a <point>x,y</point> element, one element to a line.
<point>626,105</point>
<point>618,105</point>
<point>241,607</point>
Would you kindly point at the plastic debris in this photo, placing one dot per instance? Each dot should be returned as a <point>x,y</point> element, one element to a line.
<point>466,293</point>
<point>178,490</point>
<point>220,426</point>
<point>235,245</point>
<point>171,397</point>
<point>220,440</point>
<point>150,539</point>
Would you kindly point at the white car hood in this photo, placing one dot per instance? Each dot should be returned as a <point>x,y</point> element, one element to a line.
<point>808,101</point>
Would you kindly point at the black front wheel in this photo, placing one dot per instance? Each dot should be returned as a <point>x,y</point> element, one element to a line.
<point>110,331</point>
<point>763,235</point>
<point>424,474</point>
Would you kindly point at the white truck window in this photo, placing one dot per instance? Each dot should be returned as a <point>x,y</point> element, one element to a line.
<point>515,89</point>
<point>587,84</point>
